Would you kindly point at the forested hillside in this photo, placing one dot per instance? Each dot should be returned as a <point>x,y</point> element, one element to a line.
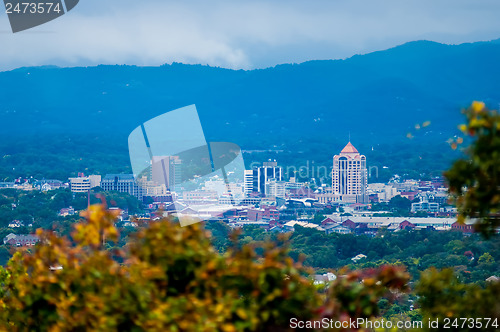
<point>58,121</point>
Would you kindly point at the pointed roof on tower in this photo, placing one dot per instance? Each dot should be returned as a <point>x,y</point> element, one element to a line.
<point>349,148</point>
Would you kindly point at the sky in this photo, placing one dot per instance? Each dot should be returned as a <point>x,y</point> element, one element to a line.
<point>241,34</point>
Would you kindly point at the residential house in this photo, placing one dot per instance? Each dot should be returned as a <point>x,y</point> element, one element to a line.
<point>21,240</point>
<point>16,224</point>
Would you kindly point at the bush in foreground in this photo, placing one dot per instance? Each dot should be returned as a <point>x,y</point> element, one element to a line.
<point>170,278</point>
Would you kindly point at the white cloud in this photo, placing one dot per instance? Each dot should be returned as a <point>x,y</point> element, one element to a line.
<point>241,34</point>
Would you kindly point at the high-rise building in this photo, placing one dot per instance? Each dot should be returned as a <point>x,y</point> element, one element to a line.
<point>166,170</point>
<point>256,179</point>
<point>124,183</point>
<point>269,171</point>
<point>248,182</point>
<point>349,176</point>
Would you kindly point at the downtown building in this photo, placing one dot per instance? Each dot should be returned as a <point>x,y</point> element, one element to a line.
<point>162,178</point>
<point>350,176</point>
<point>263,179</point>
<point>166,170</point>
<point>124,183</point>
<point>83,184</point>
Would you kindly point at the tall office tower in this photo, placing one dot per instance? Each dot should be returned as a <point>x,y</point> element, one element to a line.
<point>267,172</point>
<point>349,176</point>
<point>166,170</point>
<point>248,182</point>
<point>256,179</point>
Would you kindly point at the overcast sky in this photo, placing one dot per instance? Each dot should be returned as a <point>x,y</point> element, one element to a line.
<point>241,33</point>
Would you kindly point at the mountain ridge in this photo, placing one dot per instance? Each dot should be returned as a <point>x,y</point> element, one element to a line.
<point>377,96</point>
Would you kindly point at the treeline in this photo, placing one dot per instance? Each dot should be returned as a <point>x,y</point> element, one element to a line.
<point>472,257</point>
<point>61,156</point>
<point>40,210</point>
<point>438,263</point>
<point>64,156</point>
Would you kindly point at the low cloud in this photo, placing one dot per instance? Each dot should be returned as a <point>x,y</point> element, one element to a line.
<point>241,34</point>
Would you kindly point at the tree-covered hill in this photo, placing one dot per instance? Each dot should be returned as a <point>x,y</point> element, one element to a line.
<point>378,96</point>
<point>472,257</point>
<point>306,111</point>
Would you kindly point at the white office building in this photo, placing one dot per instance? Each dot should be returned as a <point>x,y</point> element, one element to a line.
<point>248,182</point>
<point>257,178</point>
<point>83,184</point>
<point>275,188</point>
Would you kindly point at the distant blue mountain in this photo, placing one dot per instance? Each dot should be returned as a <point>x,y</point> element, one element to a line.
<point>377,97</point>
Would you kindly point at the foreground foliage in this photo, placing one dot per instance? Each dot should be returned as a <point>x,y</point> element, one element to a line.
<point>475,181</point>
<point>171,278</point>
<point>444,296</point>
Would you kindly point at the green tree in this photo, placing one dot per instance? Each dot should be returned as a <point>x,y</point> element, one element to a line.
<point>486,258</point>
<point>474,181</point>
<point>442,295</point>
<point>401,203</point>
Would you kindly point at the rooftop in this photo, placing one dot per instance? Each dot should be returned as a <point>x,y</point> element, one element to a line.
<point>119,177</point>
<point>349,148</point>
